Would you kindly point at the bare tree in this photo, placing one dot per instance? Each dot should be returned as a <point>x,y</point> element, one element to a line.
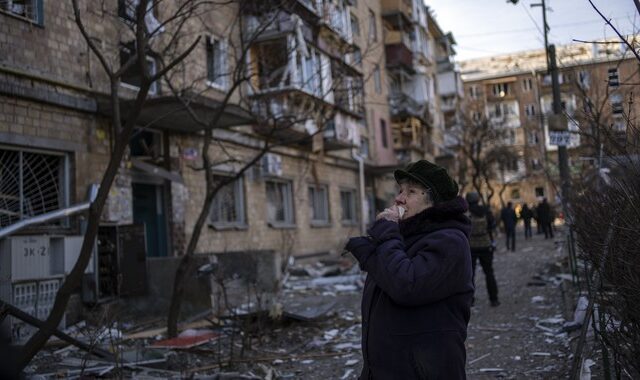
<point>483,147</point>
<point>253,72</point>
<point>147,42</point>
<point>609,190</point>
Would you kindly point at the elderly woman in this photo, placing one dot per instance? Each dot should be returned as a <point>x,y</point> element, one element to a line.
<point>417,296</point>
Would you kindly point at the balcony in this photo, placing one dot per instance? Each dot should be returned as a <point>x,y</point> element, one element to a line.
<point>340,133</point>
<point>287,116</point>
<point>399,56</point>
<point>403,105</point>
<point>397,12</point>
<point>448,104</point>
<point>274,24</point>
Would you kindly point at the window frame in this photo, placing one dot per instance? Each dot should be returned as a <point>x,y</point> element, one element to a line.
<point>64,183</point>
<point>312,198</point>
<point>353,209</point>
<point>384,139</point>
<point>239,205</point>
<point>377,79</point>
<point>153,89</point>
<point>221,82</point>
<point>288,204</point>
<point>373,27</point>
<point>355,26</point>
<point>36,19</point>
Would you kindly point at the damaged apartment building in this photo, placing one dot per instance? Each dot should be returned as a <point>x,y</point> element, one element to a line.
<point>349,89</point>
<point>514,92</point>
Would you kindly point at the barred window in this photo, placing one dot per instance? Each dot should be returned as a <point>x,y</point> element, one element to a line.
<point>31,183</point>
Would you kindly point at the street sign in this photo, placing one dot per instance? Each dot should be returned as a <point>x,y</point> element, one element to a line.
<point>559,138</point>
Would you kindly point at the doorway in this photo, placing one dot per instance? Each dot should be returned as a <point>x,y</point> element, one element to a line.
<point>148,209</point>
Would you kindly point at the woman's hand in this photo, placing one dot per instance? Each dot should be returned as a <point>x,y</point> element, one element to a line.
<point>392,214</point>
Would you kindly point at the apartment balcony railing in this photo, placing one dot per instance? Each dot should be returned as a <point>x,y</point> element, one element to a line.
<point>272,24</point>
<point>399,55</point>
<point>340,133</point>
<point>394,7</point>
<point>448,105</point>
<point>402,104</point>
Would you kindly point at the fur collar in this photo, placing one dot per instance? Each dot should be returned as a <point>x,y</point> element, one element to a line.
<point>449,214</point>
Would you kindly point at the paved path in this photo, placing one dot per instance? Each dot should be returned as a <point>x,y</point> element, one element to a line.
<point>515,340</point>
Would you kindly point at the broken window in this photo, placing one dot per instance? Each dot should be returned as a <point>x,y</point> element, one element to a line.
<point>132,77</point>
<point>271,64</point>
<point>31,183</point>
<point>348,204</point>
<point>501,89</point>
<point>227,208</point>
<point>146,143</point>
<point>31,10</point>
<point>216,62</point>
<point>319,204</point>
<point>127,11</point>
<point>279,203</point>
<point>584,79</point>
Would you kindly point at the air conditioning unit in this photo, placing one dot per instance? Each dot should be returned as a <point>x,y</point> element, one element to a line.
<point>32,269</point>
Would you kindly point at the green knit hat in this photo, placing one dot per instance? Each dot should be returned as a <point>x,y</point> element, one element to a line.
<point>432,176</point>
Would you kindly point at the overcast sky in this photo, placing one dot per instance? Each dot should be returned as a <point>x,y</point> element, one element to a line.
<point>490,27</point>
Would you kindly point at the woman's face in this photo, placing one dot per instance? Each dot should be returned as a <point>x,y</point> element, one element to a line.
<point>413,198</point>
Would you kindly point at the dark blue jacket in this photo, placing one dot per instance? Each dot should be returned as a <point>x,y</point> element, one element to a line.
<point>509,218</point>
<point>417,296</point>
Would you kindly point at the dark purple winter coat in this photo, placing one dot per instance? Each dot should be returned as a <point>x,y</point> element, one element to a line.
<point>417,296</point>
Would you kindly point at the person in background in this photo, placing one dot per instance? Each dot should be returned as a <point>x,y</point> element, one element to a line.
<point>481,243</point>
<point>534,210</point>
<point>509,221</point>
<point>526,214</point>
<point>416,301</point>
<point>544,215</point>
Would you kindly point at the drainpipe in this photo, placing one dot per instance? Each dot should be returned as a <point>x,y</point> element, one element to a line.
<point>363,201</point>
<point>57,214</point>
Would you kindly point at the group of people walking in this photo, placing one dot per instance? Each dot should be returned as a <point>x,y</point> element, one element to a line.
<point>543,214</point>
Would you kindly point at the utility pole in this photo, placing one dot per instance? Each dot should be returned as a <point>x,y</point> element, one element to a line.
<point>563,157</point>
<point>557,121</point>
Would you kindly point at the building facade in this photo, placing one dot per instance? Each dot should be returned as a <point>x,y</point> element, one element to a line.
<point>514,92</point>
